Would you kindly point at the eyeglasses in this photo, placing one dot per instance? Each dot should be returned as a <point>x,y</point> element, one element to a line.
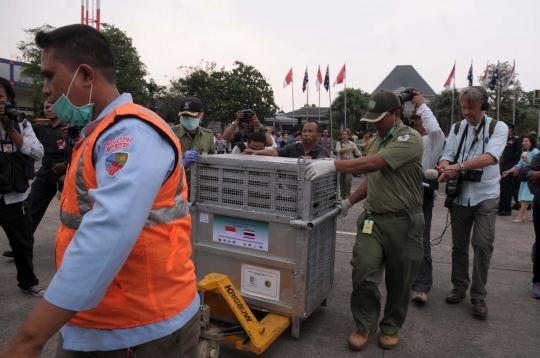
<point>475,135</point>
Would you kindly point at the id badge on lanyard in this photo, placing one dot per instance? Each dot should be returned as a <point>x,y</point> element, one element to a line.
<point>368,224</point>
<point>7,146</point>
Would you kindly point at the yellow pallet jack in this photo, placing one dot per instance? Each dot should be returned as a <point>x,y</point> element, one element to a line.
<point>219,296</point>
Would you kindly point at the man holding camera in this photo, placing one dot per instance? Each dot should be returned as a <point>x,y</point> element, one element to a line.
<point>470,163</point>
<point>423,120</point>
<point>251,124</point>
<point>309,147</point>
<point>53,164</point>
<point>18,143</point>
<point>390,229</point>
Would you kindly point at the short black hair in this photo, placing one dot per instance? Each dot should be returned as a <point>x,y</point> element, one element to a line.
<point>294,129</point>
<point>79,44</point>
<point>319,128</point>
<point>9,90</point>
<point>259,137</point>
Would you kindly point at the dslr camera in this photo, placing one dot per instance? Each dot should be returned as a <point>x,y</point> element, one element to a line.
<point>406,95</point>
<point>73,132</point>
<point>248,114</point>
<point>472,175</point>
<point>12,113</point>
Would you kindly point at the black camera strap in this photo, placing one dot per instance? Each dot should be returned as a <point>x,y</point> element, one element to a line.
<point>464,137</point>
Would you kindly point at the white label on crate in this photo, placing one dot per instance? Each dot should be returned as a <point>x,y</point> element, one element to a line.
<point>203,218</point>
<point>250,234</point>
<point>260,281</point>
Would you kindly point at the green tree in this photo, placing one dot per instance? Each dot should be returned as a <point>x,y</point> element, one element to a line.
<point>506,99</point>
<point>442,109</point>
<point>222,92</point>
<point>31,72</point>
<point>357,106</point>
<point>130,70</point>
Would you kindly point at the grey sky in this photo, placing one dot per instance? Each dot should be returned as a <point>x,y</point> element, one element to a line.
<point>372,37</point>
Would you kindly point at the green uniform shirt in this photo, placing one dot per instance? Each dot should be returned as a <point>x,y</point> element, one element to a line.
<point>348,154</point>
<point>398,186</point>
<point>202,142</point>
<point>362,149</point>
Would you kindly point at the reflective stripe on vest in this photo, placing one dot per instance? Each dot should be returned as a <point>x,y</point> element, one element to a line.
<point>156,217</point>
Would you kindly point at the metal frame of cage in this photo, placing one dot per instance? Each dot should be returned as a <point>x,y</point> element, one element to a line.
<point>301,215</point>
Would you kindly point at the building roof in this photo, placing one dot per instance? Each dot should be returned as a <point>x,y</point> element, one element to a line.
<point>306,112</point>
<point>11,70</point>
<point>404,76</point>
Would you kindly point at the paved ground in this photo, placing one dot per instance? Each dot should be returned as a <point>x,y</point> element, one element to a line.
<point>436,330</point>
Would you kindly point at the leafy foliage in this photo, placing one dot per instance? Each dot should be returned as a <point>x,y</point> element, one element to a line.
<point>442,109</point>
<point>221,92</point>
<point>130,70</point>
<point>526,115</point>
<point>357,106</point>
<point>31,55</point>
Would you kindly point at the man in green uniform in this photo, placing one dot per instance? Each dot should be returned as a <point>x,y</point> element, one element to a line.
<point>194,139</point>
<point>390,229</point>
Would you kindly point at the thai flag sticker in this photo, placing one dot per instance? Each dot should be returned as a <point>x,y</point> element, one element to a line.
<point>249,234</point>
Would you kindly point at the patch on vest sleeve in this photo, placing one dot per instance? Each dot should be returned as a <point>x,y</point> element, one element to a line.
<point>117,143</point>
<point>116,162</point>
<point>403,138</point>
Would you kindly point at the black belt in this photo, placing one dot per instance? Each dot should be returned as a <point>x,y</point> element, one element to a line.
<point>400,214</point>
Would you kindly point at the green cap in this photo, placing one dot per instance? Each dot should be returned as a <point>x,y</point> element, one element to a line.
<point>380,104</point>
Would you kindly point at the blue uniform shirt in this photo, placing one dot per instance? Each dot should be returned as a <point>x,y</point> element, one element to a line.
<point>107,234</point>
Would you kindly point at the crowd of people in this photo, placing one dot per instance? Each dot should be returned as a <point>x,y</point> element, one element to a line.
<point>124,276</point>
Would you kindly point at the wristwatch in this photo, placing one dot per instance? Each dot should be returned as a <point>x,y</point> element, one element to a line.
<point>462,168</point>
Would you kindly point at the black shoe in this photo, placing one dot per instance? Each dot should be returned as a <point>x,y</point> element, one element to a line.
<point>516,207</point>
<point>455,296</point>
<point>8,254</point>
<point>479,307</point>
<point>504,213</point>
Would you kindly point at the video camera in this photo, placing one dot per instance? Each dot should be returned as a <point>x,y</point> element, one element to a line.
<point>12,113</point>
<point>248,114</point>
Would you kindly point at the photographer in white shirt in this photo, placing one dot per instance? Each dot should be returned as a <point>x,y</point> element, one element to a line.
<point>423,120</point>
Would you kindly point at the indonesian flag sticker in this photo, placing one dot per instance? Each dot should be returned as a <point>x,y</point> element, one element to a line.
<point>116,162</point>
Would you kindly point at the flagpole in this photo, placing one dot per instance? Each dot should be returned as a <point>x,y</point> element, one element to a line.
<point>453,91</point>
<point>330,106</point>
<point>498,97</point>
<point>319,101</point>
<point>292,94</point>
<point>514,106</point>
<point>345,91</point>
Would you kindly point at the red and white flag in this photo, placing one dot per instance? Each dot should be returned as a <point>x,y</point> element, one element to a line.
<point>485,79</point>
<point>288,79</point>
<point>318,82</point>
<point>512,76</point>
<point>340,77</point>
<point>451,78</point>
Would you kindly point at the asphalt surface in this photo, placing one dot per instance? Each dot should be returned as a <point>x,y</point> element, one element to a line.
<point>437,329</point>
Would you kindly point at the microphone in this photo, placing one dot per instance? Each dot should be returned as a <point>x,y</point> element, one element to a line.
<point>430,179</point>
<point>431,174</point>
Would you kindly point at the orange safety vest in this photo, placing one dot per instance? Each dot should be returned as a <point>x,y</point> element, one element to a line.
<point>157,280</point>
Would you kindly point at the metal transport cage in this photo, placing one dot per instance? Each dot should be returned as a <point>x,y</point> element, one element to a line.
<point>258,221</point>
